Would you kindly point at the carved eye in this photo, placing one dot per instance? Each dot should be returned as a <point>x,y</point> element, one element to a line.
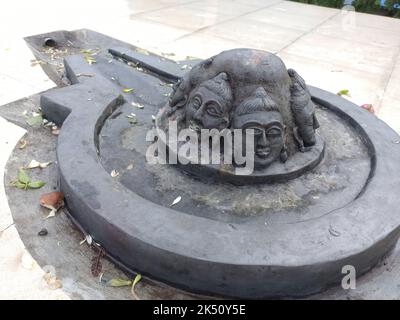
<point>196,102</point>
<point>257,131</point>
<point>274,132</point>
<point>214,110</point>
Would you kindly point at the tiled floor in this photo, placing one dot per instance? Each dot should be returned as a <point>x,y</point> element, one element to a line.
<point>330,49</point>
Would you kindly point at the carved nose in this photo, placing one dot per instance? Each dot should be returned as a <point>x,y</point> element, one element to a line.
<point>198,115</point>
<point>263,141</point>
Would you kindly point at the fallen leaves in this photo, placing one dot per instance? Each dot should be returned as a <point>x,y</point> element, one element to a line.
<point>137,105</point>
<point>36,62</point>
<point>344,92</point>
<point>369,107</point>
<point>52,281</point>
<point>22,144</point>
<point>114,173</point>
<point>24,181</point>
<point>88,56</point>
<point>87,239</point>
<point>142,51</point>
<point>132,118</point>
<point>36,164</point>
<point>176,201</point>
<point>118,282</point>
<point>53,201</point>
<point>35,121</point>
<point>97,265</point>
<point>334,232</point>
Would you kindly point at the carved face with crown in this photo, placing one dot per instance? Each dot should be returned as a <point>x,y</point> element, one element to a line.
<point>260,113</point>
<point>209,104</point>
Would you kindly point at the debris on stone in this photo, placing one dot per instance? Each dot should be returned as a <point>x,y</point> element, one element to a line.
<point>97,265</point>
<point>334,232</point>
<point>36,164</point>
<point>114,173</point>
<point>36,62</point>
<point>24,181</point>
<point>344,92</point>
<point>176,201</point>
<point>43,232</point>
<point>36,120</point>
<point>55,132</point>
<point>129,167</point>
<point>135,281</point>
<point>87,239</point>
<point>132,118</point>
<point>53,201</point>
<point>85,75</point>
<point>137,105</point>
<point>127,90</point>
<point>52,281</point>
<point>142,51</point>
<point>369,107</point>
<point>22,144</point>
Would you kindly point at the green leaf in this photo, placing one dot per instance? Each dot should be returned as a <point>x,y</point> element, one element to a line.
<point>137,279</point>
<point>127,90</point>
<point>344,92</point>
<point>18,185</point>
<point>36,184</point>
<point>23,177</point>
<point>116,282</point>
<point>35,121</point>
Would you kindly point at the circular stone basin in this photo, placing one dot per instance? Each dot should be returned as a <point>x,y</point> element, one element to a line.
<point>284,239</point>
<point>337,181</point>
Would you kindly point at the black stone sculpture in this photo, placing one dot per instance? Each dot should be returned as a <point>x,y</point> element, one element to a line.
<point>286,239</point>
<point>249,89</point>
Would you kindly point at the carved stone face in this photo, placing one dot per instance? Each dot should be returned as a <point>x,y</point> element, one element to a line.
<point>209,105</point>
<point>268,135</point>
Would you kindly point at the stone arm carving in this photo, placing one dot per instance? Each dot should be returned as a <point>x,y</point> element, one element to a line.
<point>303,111</point>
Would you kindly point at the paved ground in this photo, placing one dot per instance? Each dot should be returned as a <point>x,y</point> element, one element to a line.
<point>330,49</point>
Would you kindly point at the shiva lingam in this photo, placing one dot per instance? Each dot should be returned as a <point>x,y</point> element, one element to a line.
<point>322,196</point>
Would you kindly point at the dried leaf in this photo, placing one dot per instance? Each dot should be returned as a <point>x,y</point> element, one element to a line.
<point>137,105</point>
<point>51,214</point>
<point>142,51</point>
<point>114,173</point>
<point>334,232</point>
<point>127,90</point>
<point>87,239</point>
<point>35,121</point>
<point>176,201</point>
<point>22,144</point>
<point>52,200</point>
<point>369,107</point>
<point>55,132</point>
<point>97,266</point>
<point>36,164</point>
<point>52,281</point>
